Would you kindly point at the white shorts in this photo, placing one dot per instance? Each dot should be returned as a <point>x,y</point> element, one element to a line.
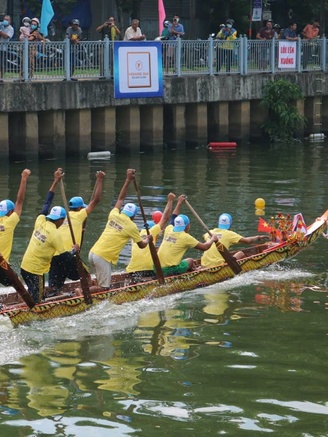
<point>102,269</point>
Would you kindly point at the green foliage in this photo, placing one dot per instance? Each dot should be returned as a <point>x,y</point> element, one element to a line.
<point>280,98</point>
<point>63,6</point>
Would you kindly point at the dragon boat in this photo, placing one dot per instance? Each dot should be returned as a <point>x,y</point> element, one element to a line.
<point>125,288</point>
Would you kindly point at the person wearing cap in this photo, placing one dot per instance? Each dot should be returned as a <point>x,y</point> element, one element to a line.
<point>175,30</point>
<point>44,243</point>
<point>141,262</point>
<point>226,49</point>
<point>212,257</point>
<point>10,214</point>
<point>33,36</point>
<point>119,229</point>
<point>78,211</point>
<point>74,34</point>
<point>25,30</point>
<point>177,241</point>
<point>6,33</point>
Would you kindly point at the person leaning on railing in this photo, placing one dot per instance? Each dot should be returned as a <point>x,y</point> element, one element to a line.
<point>6,33</point>
<point>33,36</point>
<point>109,29</point>
<point>310,33</point>
<point>265,33</point>
<point>290,32</point>
<point>225,50</point>
<point>74,34</point>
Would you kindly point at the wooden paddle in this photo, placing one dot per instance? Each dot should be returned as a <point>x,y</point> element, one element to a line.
<point>152,248</point>
<point>16,283</point>
<point>84,224</point>
<point>229,259</point>
<point>79,263</point>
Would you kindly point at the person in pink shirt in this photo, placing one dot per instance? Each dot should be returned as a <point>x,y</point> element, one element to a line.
<point>309,33</point>
<point>25,30</point>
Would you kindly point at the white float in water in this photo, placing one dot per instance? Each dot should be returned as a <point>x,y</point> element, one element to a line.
<point>99,155</point>
<point>320,136</point>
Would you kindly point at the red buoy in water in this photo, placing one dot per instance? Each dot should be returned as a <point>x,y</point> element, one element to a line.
<point>222,145</point>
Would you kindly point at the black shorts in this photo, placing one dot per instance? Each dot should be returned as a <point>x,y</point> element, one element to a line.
<point>3,278</point>
<point>35,285</point>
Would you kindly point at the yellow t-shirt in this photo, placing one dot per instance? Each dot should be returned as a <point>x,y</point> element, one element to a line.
<point>174,246</point>
<point>212,256</point>
<point>141,259</point>
<point>77,220</point>
<point>7,227</point>
<point>44,242</point>
<point>119,229</point>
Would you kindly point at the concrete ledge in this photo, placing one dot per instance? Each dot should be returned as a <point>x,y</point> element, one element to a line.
<point>46,96</point>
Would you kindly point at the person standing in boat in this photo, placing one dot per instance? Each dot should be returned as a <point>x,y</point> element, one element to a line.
<point>10,214</point>
<point>119,229</point>
<point>212,257</point>
<point>175,243</point>
<point>61,268</point>
<point>141,262</point>
<point>44,243</point>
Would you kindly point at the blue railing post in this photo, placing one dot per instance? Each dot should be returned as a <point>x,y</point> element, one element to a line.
<point>323,53</point>
<point>299,54</point>
<point>67,63</point>
<point>241,55</point>
<point>273,54</point>
<point>178,57</point>
<point>105,60</point>
<point>25,59</point>
<point>210,55</point>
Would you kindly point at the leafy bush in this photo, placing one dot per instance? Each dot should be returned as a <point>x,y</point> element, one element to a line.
<point>284,120</point>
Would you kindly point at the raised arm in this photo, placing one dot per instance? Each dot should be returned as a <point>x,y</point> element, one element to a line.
<point>176,210</point>
<point>167,211</point>
<point>100,175</point>
<point>21,192</point>
<point>130,174</point>
<point>58,174</point>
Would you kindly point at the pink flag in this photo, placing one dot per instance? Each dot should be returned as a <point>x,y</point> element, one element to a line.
<point>299,224</point>
<point>161,16</point>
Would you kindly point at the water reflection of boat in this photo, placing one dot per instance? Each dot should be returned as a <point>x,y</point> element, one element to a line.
<point>126,289</point>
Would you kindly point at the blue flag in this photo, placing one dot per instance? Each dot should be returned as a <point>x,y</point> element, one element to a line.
<point>46,15</point>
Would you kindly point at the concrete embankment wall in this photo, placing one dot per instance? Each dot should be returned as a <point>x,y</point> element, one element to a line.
<point>74,118</point>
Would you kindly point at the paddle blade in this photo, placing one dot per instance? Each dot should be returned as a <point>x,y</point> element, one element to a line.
<point>229,259</point>
<point>83,280</point>
<point>16,283</point>
<point>158,268</point>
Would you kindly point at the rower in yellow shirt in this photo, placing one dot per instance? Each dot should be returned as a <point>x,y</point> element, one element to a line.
<point>119,229</point>
<point>44,243</point>
<point>212,256</point>
<point>78,211</point>
<point>10,214</point>
<point>177,241</point>
<point>141,263</point>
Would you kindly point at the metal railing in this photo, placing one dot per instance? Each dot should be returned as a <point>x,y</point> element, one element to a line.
<point>26,61</point>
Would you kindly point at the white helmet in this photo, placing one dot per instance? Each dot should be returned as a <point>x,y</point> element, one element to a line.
<point>26,19</point>
<point>36,20</point>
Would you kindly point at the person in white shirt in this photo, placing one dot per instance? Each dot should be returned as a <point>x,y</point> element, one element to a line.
<point>6,33</point>
<point>133,33</point>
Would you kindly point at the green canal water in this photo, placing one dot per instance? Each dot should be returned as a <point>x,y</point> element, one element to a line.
<point>242,358</point>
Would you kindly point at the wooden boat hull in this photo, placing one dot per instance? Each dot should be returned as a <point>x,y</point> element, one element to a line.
<point>257,257</point>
